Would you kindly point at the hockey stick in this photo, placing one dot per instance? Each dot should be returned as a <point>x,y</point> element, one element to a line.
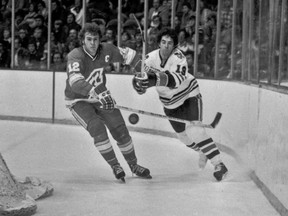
<point>139,27</point>
<point>143,43</point>
<point>213,124</point>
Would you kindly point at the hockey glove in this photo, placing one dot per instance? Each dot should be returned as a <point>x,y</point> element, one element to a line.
<point>104,97</point>
<point>140,82</point>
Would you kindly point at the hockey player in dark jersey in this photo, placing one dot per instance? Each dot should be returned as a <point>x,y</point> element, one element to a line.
<point>91,103</point>
<point>166,69</point>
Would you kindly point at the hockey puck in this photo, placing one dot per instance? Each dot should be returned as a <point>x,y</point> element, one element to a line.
<point>133,118</point>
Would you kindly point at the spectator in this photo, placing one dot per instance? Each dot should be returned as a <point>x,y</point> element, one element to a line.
<point>154,10</point>
<point>226,22</point>
<point>183,43</point>
<point>190,61</point>
<point>42,10</point>
<point>101,23</point>
<point>4,56</point>
<point>130,26</point>
<point>19,54</point>
<point>28,21</point>
<point>57,62</point>
<point>71,23</point>
<point>152,42</point>
<point>226,15</point>
<point>126,40</point>
<point>32,12</point>
<point>105,9</point>
<point>190,26</point>
<point>204,13</point>
<point>5,20</point>
<point>30,25</point>
<point>5,9</point>
<point>158,9</point>
<point>165,11</point>
<point>177,23</point>
<point>57,29</point>
<point>186,15</point>
<point>69,46</point>
<point>73,35</point>
<point>6,37</point>
<point>179,6</point>
<point>71,42</point>
<point>56,47</point>
<point>33,57</point>
<point>204,57</point>
<point>223,61</point>
<point>40,41</point>
<point>20,5</point>
<point>77,10</point>
<point>23,38</point>
<point>58,11</point>
<point>138,43</point>
<point>155,25</point>
<point>40,23</point>
<point>110,68</point>
<point>110,36</point>
<point>210,27</point>
<point>19,18</point>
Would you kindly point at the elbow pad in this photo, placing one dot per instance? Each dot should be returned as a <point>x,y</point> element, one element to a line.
<point>161,79</point>
<point>157,79</point>
<point>170,80</point>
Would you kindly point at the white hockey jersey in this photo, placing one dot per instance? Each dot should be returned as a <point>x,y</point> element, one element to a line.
<point>186,84</point>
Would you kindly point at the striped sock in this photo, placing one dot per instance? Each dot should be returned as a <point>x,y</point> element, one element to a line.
<point>106,150</point>
<point>128,151</point>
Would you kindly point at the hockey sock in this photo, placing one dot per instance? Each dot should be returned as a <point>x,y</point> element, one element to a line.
<point>128,151</point>
<point>209,148</point>
<point>106,150</point>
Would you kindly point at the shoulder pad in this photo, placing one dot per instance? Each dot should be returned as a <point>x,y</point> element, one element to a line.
<point>76,53</point>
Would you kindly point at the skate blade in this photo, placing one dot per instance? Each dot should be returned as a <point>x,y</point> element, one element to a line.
<point>149,177</point>
<point>122,180</point>
<point>224,178</point>
<point>142,177</point>
<point>146,177</point>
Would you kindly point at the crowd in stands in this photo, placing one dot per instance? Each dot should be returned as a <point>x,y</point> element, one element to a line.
<point>31,31</point>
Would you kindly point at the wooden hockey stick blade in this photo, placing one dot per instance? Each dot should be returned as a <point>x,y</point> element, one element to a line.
<point>193,123</point>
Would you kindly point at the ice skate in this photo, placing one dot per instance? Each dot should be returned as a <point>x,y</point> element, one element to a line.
<point>202,160</point>
<point>220,171</point>
<point>119,172</point>
<point>140,171</point>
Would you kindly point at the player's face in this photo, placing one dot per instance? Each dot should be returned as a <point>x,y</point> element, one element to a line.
<point>91,43</point>
<point>166,46</point>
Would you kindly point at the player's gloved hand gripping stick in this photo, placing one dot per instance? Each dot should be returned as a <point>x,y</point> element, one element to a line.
<point>103,95</point>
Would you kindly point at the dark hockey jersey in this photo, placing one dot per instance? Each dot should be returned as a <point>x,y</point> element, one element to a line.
<point>81,66</point>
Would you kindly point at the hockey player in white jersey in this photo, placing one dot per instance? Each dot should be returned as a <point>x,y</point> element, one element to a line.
<point>166,69</point>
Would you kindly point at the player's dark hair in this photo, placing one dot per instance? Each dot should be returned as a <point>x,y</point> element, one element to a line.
<point>92,28</point>
<point>168,32</point>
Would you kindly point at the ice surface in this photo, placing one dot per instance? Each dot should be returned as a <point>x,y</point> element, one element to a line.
<point>84,184</point>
